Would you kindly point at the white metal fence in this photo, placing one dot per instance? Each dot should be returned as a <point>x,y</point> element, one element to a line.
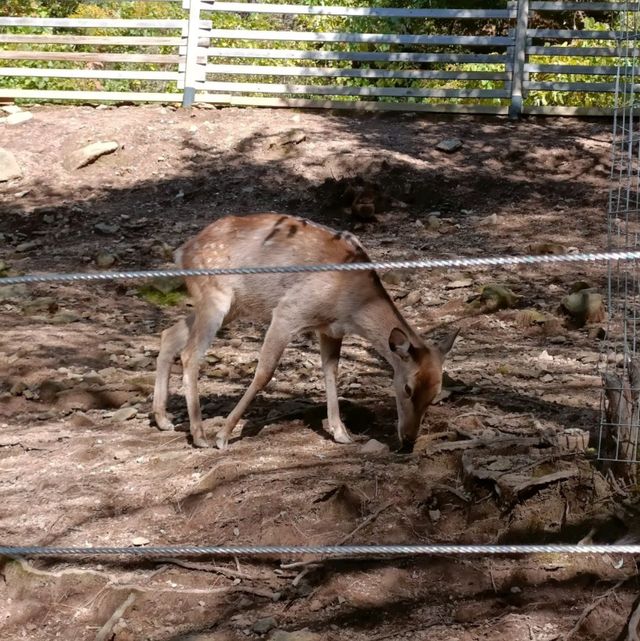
<point>261,53</point>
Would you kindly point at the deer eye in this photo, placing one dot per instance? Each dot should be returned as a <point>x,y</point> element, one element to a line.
<point>408,391</point>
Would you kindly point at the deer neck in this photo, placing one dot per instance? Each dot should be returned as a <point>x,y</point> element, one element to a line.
<point>376,320</point>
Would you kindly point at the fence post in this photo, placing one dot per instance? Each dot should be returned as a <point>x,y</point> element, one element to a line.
<point>191,58</point>
<point>519,56</point>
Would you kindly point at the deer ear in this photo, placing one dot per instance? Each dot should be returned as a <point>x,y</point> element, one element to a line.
<point>446,343</point>
<point>399,343</point>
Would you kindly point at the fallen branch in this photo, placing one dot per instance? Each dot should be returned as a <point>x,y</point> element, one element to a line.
<point>207,567</point>
<point>590,608</point>
<point>105,630</point>
<point>634,622</point>
<point>343,540</point>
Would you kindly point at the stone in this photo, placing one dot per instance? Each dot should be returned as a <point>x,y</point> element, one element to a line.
<point>547,378</point>
<point>18,118</point>
<point>262,626</point>
<point>545,357</point>
<point>315,605</point>
<point>9,168</point>
<point>295,635</point>
<point>449,145</point>
<point>106,228</point>
<point>139,541</point>
<point>89,154</point>
<point>80,419</point>
<point>13,292</point>
<point>372,446</point>
<point>489,221</point>
<point>434,223</point>
<point>64,316</point>
<point>413,298</point>
<point>124,414</point>
<point>393,277</point>
<point>29,245</point>
<point>104,260</point>
<point>10,109</point>
<point>459,284</point>
<point>121,455</point>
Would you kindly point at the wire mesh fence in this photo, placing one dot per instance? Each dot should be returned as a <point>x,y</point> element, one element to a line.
<point>620,416</point>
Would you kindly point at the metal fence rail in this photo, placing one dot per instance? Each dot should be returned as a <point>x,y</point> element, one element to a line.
<point>316,550</point>
<point>272,54</point>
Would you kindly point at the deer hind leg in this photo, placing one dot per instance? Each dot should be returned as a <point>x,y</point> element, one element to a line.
<point>205,326</point>
<point>276,339</point>
<point>330,354</point>
<point>172,341</point>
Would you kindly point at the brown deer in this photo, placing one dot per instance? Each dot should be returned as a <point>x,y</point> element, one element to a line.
<point>332,304</point>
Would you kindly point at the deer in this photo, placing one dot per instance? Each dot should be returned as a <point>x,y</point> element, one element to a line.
<point>332,304</point>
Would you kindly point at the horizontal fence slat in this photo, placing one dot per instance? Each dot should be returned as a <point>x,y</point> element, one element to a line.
<point>382,38</point>
<point>76,56</point>
<point>587,52</point>
<point>587,70</point>
<point>88,96</point>
<point>334,90</point>
<point>355,56</point>
<point>337,72</point>
<point>141,41</point>
<point>583,6</point>
<point>588,87</point>
<point>352,105</point>
<point>97,74</point>
<point>574,34</point>
<point>97,23</point>
<point>323,10</point>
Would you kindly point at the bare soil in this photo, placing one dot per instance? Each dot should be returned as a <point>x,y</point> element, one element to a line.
<point>489,467</point>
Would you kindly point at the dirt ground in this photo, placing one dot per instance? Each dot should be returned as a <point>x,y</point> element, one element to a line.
<point>82,464</point>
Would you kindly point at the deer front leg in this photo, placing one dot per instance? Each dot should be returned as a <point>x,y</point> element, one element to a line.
<point>330,354</point>
<point>173,341</point>
<point>276,339</point>
<point>202,331</point>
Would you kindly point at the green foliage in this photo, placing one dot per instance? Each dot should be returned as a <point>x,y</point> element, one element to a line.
<point>133,9</point>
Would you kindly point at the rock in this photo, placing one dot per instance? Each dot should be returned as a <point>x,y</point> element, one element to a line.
<point>488,221</point>
<point>121,455</point>
<point>139,541</point>
<point>412,298</point>
<point>104,260</point>
<point>372,446</point>
<point>18,118</point>
<point>296,635</point>
<point>10,109</point>
<point>9,168</point>
<point>449,145</point>
<point>13,292</point>
<point>315,605</point>
<point>262,626</point>
<point>84,399</point>
<point>42,304</point>
<point>106,228</point>
<point>87,155</point>
<point>48,390</point>
<point>584,306</point>
<point>547,248</point>
<point>459,284</point>
<point>492,298</point>
<point>80,419</point>
<point>64,316</point>
<point>434,515</point>
<point>434,223</point>
<point>29,245</point>
<point>393,277</point>
<point>545,357</point>
<point>547,378</point>
<point>124,414</point>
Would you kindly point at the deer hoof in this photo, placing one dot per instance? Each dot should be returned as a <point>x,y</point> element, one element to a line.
<point>164,424</point>
<point>222,442</point>
<point>199,441</point>
<point>342,436</point>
